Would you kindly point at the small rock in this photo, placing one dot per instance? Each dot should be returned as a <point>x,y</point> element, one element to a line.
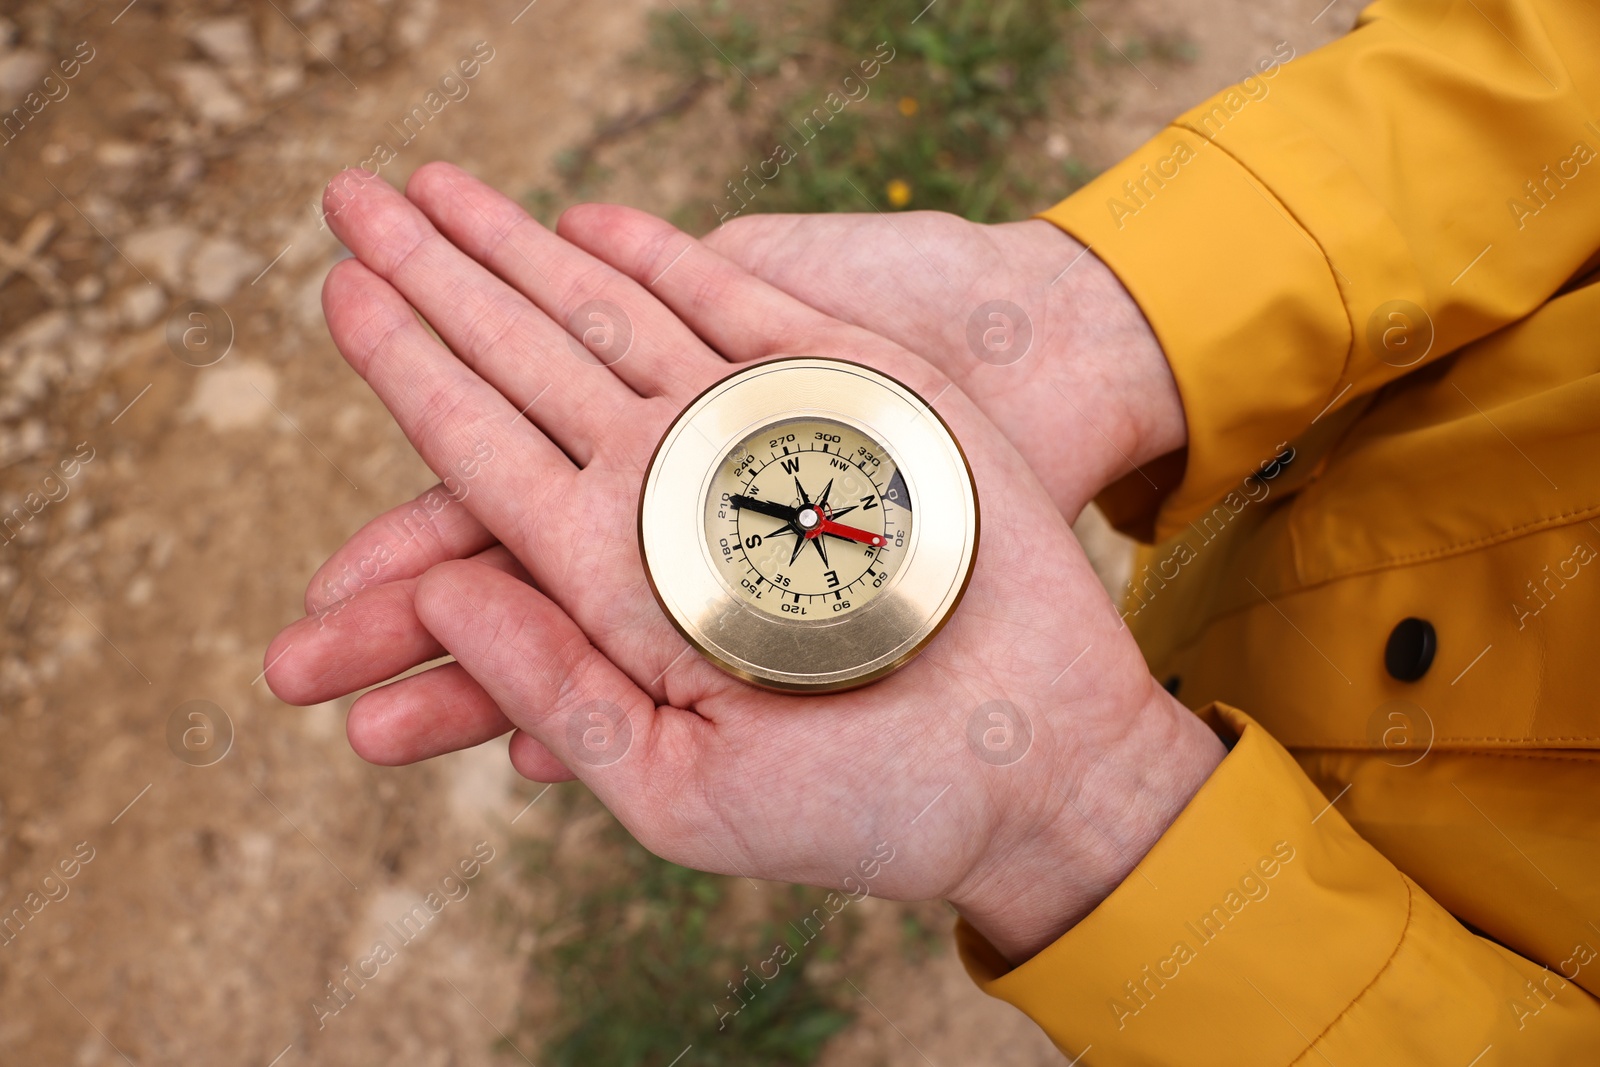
<point>39,371</point>
<point>219,266</point>
<point>414,25</point>
<point>162,249</point>
<point>139,590</point>
<point>282,80</point>
<point>118,153</point>
<point>88,353</point>
<point>44,329</point>
<point>229,41</point>
<point>79,514</point>
<point>20,72</point>
<point>140,305</point>
<point>323,40</point>
<point>88,289</point>
<point>26,440</point>
<point>234,395</point>
<point>208,94</point>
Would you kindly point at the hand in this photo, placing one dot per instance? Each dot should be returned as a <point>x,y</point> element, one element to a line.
<point>1092,397</point>
<point>716,774</point>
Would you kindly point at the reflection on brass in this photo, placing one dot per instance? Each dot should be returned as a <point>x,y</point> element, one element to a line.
<point>731,504</point>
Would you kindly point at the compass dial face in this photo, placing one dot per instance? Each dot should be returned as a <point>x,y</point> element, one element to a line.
<point>808,525</point>
<point>808,518</point>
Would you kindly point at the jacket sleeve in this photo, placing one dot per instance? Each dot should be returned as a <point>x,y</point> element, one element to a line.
<point>1262,930</point>
<point>1334,222</point>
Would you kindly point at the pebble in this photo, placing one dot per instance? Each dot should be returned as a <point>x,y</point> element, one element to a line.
<point>234,395</point>
<point>229,40</point>
<point>164,250</point>
<point>140,305</point>
<point>140,590</point>
<point>20,72</point>
<point>208,94</point>
<point>119,153</point>
<point>282,80</point>
<point>219,266</point>
<point>88,352</point>
<point>88,288</point>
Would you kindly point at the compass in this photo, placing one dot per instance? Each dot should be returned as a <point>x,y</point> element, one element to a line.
<point>808,525</point>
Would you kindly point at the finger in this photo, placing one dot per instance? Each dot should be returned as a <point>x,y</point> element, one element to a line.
<point>360,641</point>
<point>438,711</point>
<point>428,714</point>
<point>739,315</point>
<point>401,543</point>
<point>445,410</point>
<point>509,342</point>
<point>575,534</point>
<point>535,762</point>
<point>547,678</point>
<point>648,347</point>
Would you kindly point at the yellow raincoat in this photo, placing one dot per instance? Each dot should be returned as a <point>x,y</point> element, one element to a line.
<point>1373,270</point>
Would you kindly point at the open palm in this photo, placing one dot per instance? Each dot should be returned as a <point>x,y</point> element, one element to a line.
<point>554,630</point>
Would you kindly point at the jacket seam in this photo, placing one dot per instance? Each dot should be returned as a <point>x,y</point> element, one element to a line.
<point>1553,522</point>
<point>1316,242</point>
<point>1405,932</point>
<point>1509,533</point>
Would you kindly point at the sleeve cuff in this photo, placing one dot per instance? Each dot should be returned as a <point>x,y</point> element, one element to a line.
<point>1242,299</point>
<point>1259,904</point>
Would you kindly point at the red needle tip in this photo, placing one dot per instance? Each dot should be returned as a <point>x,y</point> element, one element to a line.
<point>864,537</point>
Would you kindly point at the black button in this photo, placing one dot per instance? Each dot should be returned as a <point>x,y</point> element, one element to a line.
<point>1409,653</point>
<point>1171,684</point>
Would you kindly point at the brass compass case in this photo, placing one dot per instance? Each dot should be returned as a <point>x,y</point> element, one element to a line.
<point>741,533</point>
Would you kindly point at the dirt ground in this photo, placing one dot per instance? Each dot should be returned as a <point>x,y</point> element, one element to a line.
<point>187,505</point>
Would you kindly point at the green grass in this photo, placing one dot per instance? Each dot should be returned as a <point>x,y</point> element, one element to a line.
<point>973,74</point>
<point>944,123</point>
<point>641,951</point>
<point>953,122</point>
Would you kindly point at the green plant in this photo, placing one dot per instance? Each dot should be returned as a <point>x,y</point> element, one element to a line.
<point>641,952</point>
<point>944,123</point>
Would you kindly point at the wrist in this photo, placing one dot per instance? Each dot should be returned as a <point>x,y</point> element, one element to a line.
<point>1042,879</point>
<point>1096,351</point>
